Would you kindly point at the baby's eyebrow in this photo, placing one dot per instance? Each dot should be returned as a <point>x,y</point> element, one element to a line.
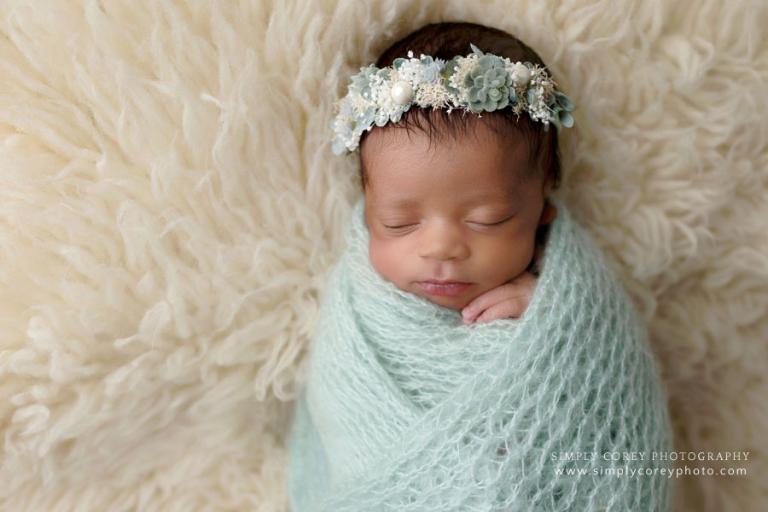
<point>503,196</point>
<point>488,197</point>
<point>402,202</point>
<point>506,198</point>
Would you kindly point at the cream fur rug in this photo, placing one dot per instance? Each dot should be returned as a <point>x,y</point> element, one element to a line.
<point>169,208</point>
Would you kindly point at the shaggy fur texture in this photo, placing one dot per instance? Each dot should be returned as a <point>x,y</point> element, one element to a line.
<point>169,207</point>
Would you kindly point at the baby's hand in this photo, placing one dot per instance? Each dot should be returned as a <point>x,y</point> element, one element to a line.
<point>506,301</point>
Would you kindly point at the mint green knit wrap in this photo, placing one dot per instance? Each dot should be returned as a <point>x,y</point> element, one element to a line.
<point>407,409</point>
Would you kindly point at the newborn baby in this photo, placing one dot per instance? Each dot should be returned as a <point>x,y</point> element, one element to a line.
<point>471,211</point>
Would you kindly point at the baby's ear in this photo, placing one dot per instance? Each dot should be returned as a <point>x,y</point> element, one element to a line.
<point>548,213</point>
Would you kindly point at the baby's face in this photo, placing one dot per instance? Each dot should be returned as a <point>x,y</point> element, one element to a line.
<point>457,211</point>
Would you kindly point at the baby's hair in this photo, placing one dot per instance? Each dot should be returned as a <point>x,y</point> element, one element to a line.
<point>445,41</point>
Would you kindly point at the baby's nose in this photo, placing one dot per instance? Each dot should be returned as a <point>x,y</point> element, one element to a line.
<point>443,242</point>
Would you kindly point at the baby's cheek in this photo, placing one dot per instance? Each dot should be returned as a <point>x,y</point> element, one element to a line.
<point>382,260</point>
<point>503,261</point>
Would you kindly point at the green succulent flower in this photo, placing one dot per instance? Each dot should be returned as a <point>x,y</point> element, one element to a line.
<point>561,107</point>
<point>362,81</point>
<point>448,70</point>
<point>488,85</point>
<point>513,96</point>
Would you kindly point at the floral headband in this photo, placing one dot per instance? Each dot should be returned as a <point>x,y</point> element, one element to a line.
<point>479,82</point>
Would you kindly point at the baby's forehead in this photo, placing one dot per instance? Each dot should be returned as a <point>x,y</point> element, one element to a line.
<point>460,176</point>
<point>383,137</point>
<point>490,161</point>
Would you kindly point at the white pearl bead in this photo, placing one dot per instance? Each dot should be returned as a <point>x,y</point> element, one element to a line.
<point>401,92</point>
<point>521,74</point>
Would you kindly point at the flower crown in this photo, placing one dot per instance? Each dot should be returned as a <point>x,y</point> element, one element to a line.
<point>479,82</point>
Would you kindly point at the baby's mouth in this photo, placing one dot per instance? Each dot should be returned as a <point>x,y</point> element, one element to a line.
<point>444,288</point>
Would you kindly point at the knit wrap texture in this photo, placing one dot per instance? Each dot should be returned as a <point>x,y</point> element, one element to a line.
<point>405,408</point>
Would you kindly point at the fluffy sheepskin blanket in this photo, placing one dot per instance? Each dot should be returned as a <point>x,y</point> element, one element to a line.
<point>169,208</point>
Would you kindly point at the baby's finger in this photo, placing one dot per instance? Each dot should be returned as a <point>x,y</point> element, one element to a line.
<point>489,298</point>
<point>483,301</point>
<point>513,307</point>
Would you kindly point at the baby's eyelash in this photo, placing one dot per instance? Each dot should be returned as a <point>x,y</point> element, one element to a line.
<point>493,224</point>
<point>480,223</point>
